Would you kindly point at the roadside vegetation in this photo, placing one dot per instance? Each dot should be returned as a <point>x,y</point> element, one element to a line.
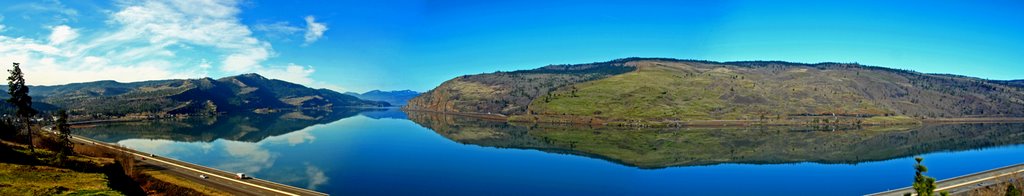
<point>1010,185</point>
<point>39,157</point>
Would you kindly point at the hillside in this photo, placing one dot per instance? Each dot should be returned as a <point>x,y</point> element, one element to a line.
<point>508,93</point>
<point>396,98</point>
<point>246,92</point>
<point>670,91</point>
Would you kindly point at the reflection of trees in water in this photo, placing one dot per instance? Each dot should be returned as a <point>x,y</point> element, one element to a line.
<point>247,127</point>
<point>664,147</point>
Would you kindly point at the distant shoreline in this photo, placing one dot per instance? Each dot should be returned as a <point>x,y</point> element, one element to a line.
<point>158,117</point>
<point>975,120</point>
<point>467,114</point>
<point>714,123</point>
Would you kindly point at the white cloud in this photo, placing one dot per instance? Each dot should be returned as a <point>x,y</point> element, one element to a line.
<point>52,8</point>
<point>292,73</point>
<point>277,29</point>
<point>314,30</point>
<point>205,64</point>
<point>155,146</point>
<point>316,176</point>
<point>149,40</point>
<point>245,60</point>
<point>247,157</point>
<point>293,138</point>
<point>61,34</point>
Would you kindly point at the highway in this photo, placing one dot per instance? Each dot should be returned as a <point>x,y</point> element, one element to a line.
<point>961,185</point>
<point>217,179</point>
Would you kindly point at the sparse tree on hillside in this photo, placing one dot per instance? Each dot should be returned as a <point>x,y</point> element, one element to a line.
<point>63,134</point>
<point>20,99</point>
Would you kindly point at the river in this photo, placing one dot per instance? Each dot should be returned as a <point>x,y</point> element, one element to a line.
<point>360,151</point>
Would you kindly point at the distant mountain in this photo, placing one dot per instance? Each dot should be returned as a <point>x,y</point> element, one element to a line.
<point>246,92</point>
<point>393,97</point>
<point>658,91</point>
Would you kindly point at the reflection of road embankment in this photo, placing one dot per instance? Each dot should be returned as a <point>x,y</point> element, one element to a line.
<point>691,146</point>
<point>216,178</point>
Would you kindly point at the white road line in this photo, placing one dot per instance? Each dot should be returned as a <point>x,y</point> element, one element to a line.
<point>968,182</point>
<point>196,170</point>
<point>978,180</point>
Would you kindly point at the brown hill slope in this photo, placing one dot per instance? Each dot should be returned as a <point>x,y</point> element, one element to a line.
<point>508,93</point>
<point>673,91</point>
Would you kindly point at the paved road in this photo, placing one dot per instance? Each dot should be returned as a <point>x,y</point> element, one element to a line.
<point>220,180</point>
<point>966,183</point>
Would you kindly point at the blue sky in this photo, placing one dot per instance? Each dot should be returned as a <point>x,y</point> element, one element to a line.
<point>417,44</point>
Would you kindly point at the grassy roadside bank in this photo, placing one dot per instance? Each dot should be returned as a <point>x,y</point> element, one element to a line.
<point>91,170</point>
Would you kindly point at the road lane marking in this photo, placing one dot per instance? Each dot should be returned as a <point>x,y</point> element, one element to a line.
<point>962,176</point>
<point>979,180</point>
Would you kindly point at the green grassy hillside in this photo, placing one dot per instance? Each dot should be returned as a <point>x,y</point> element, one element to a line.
<point>508,93</point>
<point>667,91</point>
<point>654,91</point>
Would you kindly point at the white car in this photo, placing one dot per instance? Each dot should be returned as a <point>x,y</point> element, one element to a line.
<point>203,176</point>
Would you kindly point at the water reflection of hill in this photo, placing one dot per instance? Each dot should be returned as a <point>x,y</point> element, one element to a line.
<point>665,147</point>
<point>248,127</point>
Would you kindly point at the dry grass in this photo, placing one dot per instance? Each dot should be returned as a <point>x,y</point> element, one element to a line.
<point>173,184</point>
<point>45,180</point>
<point>1015,179</point>
<point>149,178</point>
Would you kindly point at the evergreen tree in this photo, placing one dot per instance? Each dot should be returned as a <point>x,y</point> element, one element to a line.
<point>20,99</point>
<point>63,134</point>
<point>923,185</point>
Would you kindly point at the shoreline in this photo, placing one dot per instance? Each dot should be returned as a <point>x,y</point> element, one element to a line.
<point>486,116</point>
<point>845,121</point>
<point>178,116</point>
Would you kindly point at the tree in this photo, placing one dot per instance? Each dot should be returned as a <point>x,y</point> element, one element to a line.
<point>21,101</point>
<point>923,185</point>
<point>63,134</point>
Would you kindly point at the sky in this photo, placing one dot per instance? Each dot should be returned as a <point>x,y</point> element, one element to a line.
<point>358,45</point>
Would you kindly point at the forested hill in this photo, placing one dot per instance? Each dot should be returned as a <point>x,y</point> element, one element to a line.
<point>246,92</point>
<point>671,90</point>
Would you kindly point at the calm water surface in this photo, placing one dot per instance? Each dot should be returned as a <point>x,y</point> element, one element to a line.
<point>391,152</point>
